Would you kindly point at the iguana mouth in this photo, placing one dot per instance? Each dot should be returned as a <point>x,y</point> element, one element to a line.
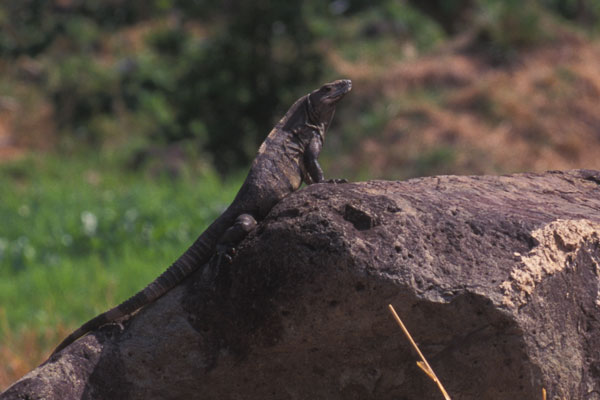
<point>348,84</point>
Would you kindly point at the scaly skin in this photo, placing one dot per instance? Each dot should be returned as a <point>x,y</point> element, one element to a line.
<point>287,157</point>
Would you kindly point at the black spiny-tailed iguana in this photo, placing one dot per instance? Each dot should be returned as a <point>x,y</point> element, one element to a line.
<point>287,157</point>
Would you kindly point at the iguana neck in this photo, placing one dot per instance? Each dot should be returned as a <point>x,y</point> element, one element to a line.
<point>302,117</point>
<point>313,119</point>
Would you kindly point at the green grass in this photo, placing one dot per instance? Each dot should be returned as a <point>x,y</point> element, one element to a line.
<point>78,236</point>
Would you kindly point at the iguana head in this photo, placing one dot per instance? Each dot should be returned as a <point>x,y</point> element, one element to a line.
<point>322,102</point>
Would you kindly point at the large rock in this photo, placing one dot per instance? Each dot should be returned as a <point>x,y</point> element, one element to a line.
<point>497,278</point>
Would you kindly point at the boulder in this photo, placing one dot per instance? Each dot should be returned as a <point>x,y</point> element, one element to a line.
<point>496,277</point>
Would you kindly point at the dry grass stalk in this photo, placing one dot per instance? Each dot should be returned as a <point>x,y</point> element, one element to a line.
<point>424,365</point>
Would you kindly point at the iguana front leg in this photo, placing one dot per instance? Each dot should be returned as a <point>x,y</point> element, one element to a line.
<point>314,172</point>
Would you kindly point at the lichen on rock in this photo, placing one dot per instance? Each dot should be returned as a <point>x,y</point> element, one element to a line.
<point>557,245</point>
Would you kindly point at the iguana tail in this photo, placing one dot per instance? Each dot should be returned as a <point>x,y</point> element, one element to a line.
<point>195,256</point>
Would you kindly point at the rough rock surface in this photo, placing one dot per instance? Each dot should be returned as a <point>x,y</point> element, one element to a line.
<point>497,278</point>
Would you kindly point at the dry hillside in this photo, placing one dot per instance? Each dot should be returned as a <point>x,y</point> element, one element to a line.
<point>455,111</point>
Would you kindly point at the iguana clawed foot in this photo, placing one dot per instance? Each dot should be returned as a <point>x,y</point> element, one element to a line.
<point>225,254</point>
<point>226,248</point>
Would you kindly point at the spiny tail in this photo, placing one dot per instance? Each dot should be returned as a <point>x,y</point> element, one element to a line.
<point>197,255</point>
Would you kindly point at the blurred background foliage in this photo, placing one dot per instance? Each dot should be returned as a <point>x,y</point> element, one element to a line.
<point>213,76</point>
<point>126,126</point>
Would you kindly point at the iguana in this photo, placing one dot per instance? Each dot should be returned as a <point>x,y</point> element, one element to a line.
<point>286,158</point>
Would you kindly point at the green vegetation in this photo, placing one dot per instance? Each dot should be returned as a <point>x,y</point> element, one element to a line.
<point>376,34</point>
<point>434,161</point>
<point>79,236</point>
<point>508,26</point>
